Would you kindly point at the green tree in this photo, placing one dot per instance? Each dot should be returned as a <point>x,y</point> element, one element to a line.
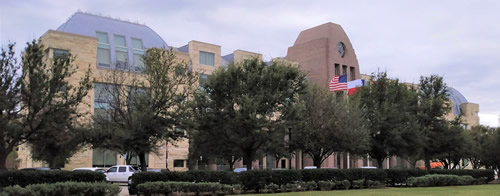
<point>140,111</point>
<point>388,110</point>
<point>38,103</point>
<point>245,105</point>
<point>453,145</point>
<point>433,106</point>
<point>326,124</point>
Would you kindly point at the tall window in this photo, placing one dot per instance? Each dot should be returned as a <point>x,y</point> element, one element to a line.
<point>136,161</point>
<point>207,58</point>
<point>121,52</point>
<point>138,52</point>
<point>103,55</point>
<point>103,158</point>
<point>344,69</point>
<point>337,69</point>
<point>352,73</point>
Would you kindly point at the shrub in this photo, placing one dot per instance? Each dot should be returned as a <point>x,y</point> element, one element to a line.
<point>326,185</point>
<point>400,176</point>
<point>311,186</point>
<point>65,188</point>
<point>255,179</point>
<point>373,183</point>
<point>367,174</point>
<point>475,173</point>
<point>24,178</point>
<point>441,180</point>
<point>272,188</point>
<point>322,175</point>
<point>344,184</point>
<point>357,184</point>
<point>165,188</point>
<point>282,177</point>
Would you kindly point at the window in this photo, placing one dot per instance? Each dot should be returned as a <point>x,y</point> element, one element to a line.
<point>203,80</point>
<point>113,169</point>
<point>136,161</point>
<point>138,52</point>
<point>178,163</point>
<point>121,52</point>
<point>122,169</point>
<point>103,55</point>
<point>58,53</point>
<point>103,95</point>
<point>344,69</point>
<point>207,58</point>
<point>352,73</point>
<point>337,69</point>
<point>103,158</point>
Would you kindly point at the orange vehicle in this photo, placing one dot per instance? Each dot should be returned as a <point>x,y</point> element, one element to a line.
<point>434,165</point>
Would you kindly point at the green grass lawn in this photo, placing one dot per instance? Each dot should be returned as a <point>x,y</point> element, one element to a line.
<point>480,190</point>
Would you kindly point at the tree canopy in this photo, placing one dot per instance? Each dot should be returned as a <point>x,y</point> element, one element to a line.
<point>245,106</point>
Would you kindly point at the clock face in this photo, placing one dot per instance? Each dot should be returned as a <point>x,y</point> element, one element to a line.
<point>341,49</point>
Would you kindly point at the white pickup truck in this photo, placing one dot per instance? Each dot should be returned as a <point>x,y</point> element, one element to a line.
<point>120,173</point>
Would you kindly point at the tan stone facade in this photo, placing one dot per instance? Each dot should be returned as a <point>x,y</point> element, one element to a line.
<point>84,48</point>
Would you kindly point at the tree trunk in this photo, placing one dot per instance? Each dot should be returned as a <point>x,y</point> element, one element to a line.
<point>427,162</point>
<point>3,160</point>
<point>380,163</point>
<point>142,158</point>
<point>248,162</point>
<point>317,161</point>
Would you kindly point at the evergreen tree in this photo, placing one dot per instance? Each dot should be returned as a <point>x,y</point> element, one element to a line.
<point>245,106</point>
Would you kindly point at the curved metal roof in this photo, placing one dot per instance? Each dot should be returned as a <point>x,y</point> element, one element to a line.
<point>88,24</point>
<point>457,98</point>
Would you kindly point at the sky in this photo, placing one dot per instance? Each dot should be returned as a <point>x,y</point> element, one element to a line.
<point>456,39</point>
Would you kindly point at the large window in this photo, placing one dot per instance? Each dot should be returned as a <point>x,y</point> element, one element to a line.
<point>138,52</point>
<point>207,58</point>
<point>103,55</point>
<point>121,52</point>
<point>103,158</point>
<point>337,69</point>
<point>344,69</point>
<point>136,161</point>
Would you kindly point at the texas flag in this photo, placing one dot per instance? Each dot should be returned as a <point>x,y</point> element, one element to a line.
<point>353,85</point>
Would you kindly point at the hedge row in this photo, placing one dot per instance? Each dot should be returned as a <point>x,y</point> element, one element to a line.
<point>64,188</point>
<point>24,178</point>
<point>258,179</point>
<point>399,177</point>
<point>166,188</point>
<point>444,180</point>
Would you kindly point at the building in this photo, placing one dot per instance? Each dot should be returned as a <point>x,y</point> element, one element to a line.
<point>106,44</point>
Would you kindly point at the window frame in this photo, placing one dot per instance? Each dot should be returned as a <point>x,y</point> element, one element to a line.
<point>204,60</point>
<point>103,46</point>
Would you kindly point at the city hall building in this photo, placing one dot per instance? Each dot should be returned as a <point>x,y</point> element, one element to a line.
<point>108,44</point>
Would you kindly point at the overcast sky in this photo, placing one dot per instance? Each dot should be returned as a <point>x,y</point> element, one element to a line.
<point>459,40</point>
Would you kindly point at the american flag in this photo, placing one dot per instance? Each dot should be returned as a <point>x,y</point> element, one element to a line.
<point>338,83</point>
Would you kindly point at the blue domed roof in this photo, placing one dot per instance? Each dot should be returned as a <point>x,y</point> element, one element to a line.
<point>457,98</point>
<point>88,24</point>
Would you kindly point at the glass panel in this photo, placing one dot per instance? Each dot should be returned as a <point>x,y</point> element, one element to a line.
<point>178,163</point>
<point>103,57</point>
<point>103,95</point>
<point>120,41</point>
<point>137,44</point>
<point>97,157</point>
<point>113,169</point>
<point>207,58</point>
<point>122,169</point>
<point>138,63</point>
<point>110,158</point>
<point>121,59</point>
<point>102,37</point>
<point>60,53</point>
<point>203,79</point>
